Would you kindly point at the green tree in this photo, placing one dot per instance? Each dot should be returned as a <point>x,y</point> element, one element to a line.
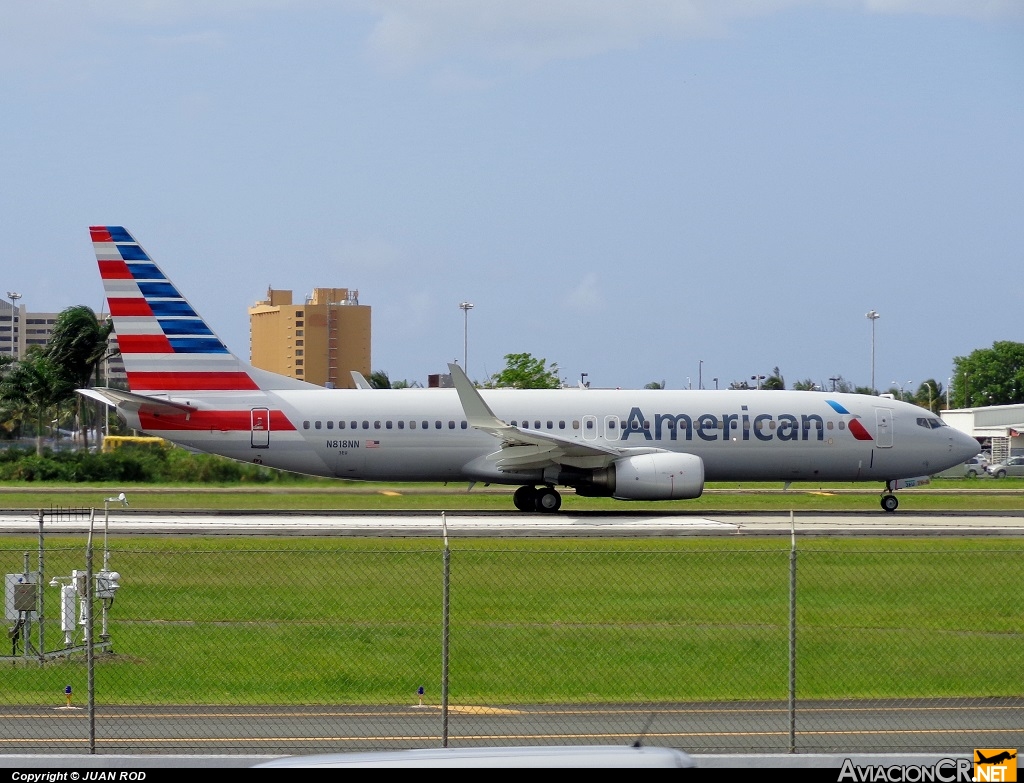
<point>655,385</point>
<point>929,395</point>
<point>774,381</point>
<point>77,348</point>
<point>32,388</point>
<point>523,371</point>
<point>989,376</point>
<point>379,380</point>
<point>805,385</point>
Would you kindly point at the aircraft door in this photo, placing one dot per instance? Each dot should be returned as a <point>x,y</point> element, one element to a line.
<point>259,419</point>
<point>883,428</point>
<point>590,427</point>
<point>612,430</point>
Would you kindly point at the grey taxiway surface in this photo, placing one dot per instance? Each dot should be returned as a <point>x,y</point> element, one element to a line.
<point>498,524</point>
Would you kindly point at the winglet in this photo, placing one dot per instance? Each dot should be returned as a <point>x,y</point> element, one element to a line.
<point>478,413</point>
<point>360,380</point>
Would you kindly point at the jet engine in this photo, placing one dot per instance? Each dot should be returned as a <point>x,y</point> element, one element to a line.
<point>661,475</point>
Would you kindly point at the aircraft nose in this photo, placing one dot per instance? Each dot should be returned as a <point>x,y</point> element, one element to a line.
<point>964,445</point>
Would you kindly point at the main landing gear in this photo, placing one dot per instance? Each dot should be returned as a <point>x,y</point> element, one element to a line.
<point>889,501</point>
<point>544,499</point>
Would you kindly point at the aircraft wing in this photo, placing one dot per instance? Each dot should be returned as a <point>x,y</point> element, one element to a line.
<point>522,449</point>
<point>125,400</point>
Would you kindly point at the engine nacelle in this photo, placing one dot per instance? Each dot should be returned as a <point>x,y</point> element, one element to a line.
<point>659,476</point>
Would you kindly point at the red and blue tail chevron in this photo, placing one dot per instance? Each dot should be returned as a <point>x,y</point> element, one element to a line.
<point>165,344</point>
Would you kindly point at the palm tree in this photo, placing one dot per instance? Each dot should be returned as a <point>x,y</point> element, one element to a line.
<point>31,387</point>
<point>78,347</point>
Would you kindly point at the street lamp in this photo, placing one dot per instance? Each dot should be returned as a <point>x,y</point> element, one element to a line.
<point>757,378</point>
<point>465,307</point>
<point>872,315</point>
<point>929,384</point>
<point>14,297</point>
<point>106,524</point>
<point>902,386</point>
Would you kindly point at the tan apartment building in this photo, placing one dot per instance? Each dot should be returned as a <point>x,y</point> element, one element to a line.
<point>320,340</point>
<point>22,329</point>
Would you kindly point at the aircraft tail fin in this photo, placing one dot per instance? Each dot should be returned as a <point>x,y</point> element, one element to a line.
<point>166,346</point>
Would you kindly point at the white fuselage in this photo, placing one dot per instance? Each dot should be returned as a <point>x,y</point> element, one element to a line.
<point>423,434</point>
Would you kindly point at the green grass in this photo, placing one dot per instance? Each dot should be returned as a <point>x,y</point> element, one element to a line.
<point>312,494</point>
<point>323,620</point>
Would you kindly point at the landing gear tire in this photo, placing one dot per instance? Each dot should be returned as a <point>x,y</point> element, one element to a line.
<point>890,503</point>
<point>525,498</point>
<point>548,500</point>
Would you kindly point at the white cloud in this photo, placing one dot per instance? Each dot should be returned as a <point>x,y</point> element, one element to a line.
<point>531,32</point>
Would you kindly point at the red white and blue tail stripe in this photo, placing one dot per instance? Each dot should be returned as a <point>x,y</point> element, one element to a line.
<point>166,346</point>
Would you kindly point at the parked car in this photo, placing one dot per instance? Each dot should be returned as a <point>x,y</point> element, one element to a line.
<point>975,466</point>
<point>1014,466</point>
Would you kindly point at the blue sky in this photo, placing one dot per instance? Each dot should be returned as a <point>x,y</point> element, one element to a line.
<point>642,190</point>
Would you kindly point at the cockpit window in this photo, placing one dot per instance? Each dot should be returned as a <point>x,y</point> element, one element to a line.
<point>930,423</point>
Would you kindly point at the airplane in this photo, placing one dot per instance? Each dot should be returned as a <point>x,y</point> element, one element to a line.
<point>187,387</point>
<point>996,759</point>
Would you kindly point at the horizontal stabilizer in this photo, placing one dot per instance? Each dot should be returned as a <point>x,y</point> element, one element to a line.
<point>127,401</point>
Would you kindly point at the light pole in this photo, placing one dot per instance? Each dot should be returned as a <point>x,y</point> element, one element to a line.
<point>757,378</point>
<point>14,296</point>
<point>929,384</point>
<point>106,524</point>
<point>106,580</point>
<point>700,375</point>
<point>465,307</point>
<point>716,383</point>
<point>872,315</point>
<point>903,386</point>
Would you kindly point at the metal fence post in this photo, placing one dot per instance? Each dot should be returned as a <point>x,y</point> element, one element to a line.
<point>792,633</point>
<point>444,634</point>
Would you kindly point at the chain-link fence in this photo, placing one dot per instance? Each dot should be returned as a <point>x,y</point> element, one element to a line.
<point>324,644</point>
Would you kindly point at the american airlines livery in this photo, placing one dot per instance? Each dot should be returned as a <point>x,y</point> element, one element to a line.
<point>187,387</point>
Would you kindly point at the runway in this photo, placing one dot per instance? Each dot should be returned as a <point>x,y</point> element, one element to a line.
<point>514,524</point>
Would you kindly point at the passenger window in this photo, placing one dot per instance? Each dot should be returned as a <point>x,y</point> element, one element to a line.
<point>437,425</point>
<point>451,425</point>
<point>330,425</point>
<point>412,425</point>
<point>387,425</point>
<point>401,425</point>
<point>341,425</point>
<point>551,424</point>
<point>366,425</point>
<point>316,425</point>
<point>305,425</point>
<point>465,425</point>
<point>376,425</point>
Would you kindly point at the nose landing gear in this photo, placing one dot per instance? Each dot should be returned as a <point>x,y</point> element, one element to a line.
<point>889,501</point>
